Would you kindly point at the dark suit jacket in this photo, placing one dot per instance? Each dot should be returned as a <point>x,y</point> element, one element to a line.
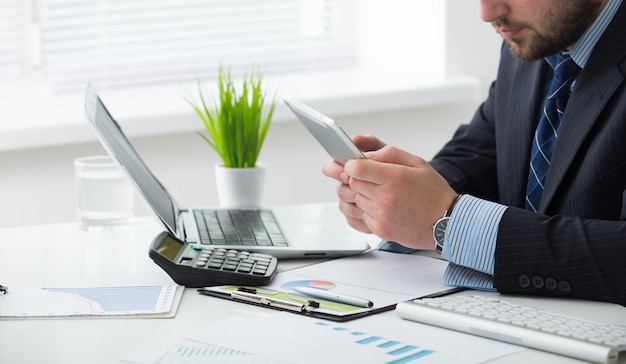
<point>576,245</point>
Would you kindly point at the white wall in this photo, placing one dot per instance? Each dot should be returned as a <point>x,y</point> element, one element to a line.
<point>37,185</point>
<point>472,46</point>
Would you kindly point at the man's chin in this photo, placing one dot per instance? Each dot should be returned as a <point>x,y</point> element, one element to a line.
<point>523,52</point>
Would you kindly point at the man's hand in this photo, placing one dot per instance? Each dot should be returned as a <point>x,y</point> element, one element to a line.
<point>332,169</point>
<point>393,194</point>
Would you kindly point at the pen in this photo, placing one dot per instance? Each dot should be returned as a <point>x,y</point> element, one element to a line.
<point>3,289</point>
<point>328,295</point>
<point>246,295</point>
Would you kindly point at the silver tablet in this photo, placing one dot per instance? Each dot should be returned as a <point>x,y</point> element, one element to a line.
<point>327,132</point>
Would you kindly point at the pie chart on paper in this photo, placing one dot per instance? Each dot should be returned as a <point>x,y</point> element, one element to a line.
<point>314,283</point>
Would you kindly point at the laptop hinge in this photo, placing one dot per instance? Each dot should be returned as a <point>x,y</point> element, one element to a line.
<point>187,227</point>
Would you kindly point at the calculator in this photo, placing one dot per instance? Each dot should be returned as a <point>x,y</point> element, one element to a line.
<point>195,265</point>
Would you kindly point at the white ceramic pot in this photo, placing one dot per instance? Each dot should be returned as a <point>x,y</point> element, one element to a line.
<point>240,187</point>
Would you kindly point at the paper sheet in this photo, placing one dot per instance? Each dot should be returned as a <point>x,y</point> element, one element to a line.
<point>131,301</point>
<point>186,351</point>
<point>376,339</point>
<point>282,337</point>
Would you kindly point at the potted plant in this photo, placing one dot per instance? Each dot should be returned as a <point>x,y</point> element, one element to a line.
<point>236,124</point>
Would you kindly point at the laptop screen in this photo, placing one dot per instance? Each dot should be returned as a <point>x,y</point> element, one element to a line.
<point>120,148</point>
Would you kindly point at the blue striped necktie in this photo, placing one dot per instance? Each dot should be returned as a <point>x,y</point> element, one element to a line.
<point>565,72</point>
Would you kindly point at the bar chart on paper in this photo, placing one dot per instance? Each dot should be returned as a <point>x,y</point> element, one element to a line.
<point>396,352</point>
<point>376,339</point>
<point>191,352</point>
<point>135,301</point>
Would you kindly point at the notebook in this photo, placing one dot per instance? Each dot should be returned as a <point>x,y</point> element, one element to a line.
<point>309,230</point>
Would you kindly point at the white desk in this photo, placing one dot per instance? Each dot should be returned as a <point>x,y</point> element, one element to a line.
<point>61,255</point>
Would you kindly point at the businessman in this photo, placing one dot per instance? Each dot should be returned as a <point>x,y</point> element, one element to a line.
<point>530,196</point>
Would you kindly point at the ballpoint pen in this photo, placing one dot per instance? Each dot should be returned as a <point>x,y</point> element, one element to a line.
<point>3,289</point>
<point>336,297</point>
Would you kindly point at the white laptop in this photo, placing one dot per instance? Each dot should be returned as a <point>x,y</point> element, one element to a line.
<point>307,231</point>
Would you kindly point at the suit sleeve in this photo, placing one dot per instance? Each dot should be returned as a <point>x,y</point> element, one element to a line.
<point>561,256</point>
<point>472,145</point>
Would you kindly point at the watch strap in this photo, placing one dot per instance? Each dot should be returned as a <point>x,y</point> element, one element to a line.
<point>448,212</point>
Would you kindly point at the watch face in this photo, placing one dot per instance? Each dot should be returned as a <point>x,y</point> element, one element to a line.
<point>439,231</point>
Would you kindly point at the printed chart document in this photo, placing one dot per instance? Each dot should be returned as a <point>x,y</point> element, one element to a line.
<point>120,301</point>
<point>382,278</point>
<point>299,339</point>
<point>185,351</point>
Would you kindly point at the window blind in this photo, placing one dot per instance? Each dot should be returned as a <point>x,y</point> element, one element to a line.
<point>12,34</point>
<point>121,43</point>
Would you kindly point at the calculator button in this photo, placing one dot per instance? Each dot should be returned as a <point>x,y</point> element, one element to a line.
<point>261,258</point>
<point>214,265</point>
<point>259,271</point>
<point>244,269</point>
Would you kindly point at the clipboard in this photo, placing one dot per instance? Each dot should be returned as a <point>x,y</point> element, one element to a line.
<point>311,307</point>
<point>383,277</point>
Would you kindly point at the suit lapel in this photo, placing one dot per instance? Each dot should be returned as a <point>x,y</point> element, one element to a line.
<point>521,117</point>
<point>596,84</point>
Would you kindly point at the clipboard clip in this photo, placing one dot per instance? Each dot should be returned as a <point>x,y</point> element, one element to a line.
<point>250,295</point>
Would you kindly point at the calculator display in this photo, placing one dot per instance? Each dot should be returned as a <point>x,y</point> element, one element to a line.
<point>170,247</point>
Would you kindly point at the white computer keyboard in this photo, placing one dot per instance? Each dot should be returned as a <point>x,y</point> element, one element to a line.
<point>521,325</point>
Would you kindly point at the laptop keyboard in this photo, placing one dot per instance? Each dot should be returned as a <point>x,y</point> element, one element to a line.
<point>238,227</point>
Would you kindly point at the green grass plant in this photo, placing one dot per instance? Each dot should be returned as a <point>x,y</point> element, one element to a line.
<point>237,122</point>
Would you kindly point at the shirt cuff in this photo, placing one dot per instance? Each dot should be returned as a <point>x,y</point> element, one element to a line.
<point>470,239</point>
<point>457,276</point>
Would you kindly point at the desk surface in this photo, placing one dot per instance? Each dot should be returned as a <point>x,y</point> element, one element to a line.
<point>62,255</point>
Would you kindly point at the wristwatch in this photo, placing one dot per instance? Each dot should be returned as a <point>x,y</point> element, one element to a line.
<point>439,229</point>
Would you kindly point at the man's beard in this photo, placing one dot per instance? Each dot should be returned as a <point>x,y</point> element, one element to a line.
<point>568,23</point>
